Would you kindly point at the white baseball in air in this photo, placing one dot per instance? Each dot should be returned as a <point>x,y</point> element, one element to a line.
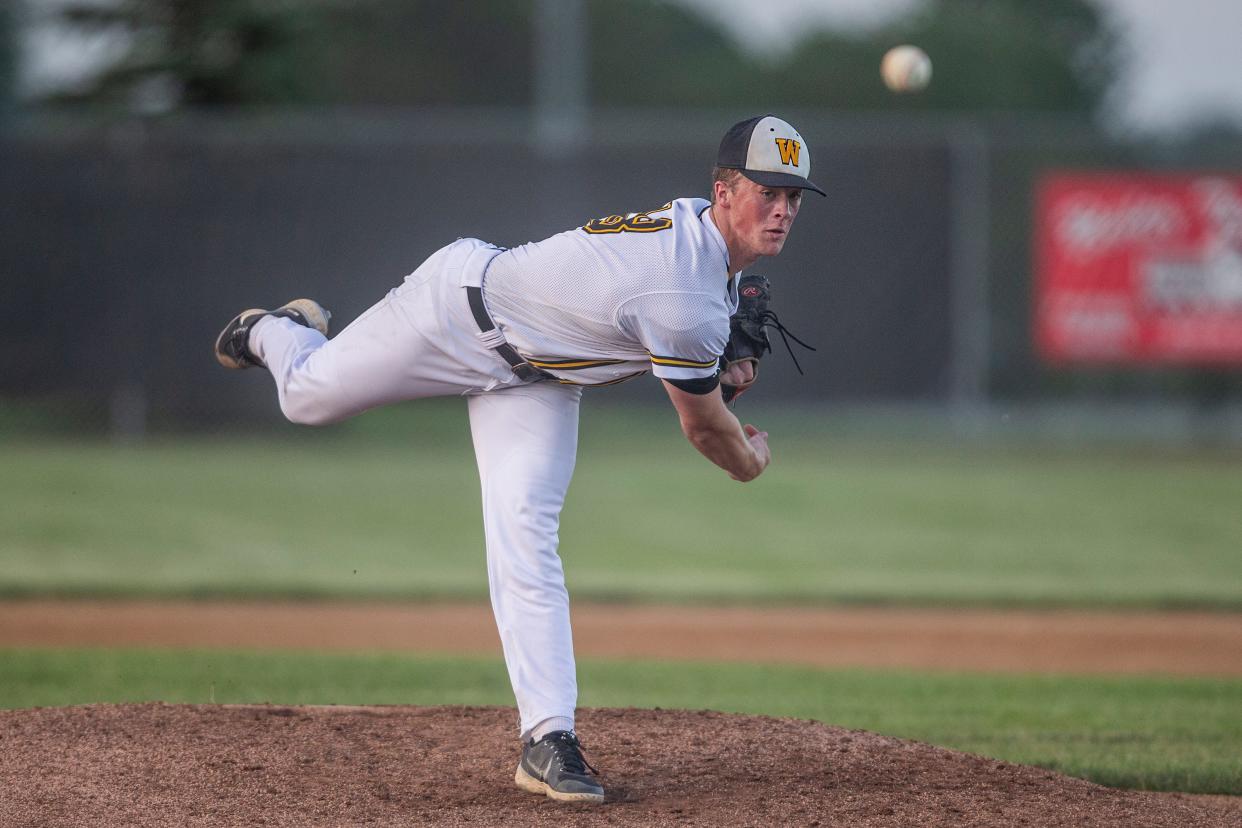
<point>906,68</point>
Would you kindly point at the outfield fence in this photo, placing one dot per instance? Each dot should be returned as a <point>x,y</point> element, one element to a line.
<point>127,245</point>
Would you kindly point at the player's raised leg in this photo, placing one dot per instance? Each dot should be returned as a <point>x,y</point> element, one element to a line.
<point>420,340</point>
<point>379,358</point>
<point>525,441</point>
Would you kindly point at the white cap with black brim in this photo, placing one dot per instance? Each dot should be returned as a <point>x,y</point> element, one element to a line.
<point>768,151</point>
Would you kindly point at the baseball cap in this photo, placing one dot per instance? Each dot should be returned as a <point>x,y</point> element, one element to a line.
<point>768,151</point>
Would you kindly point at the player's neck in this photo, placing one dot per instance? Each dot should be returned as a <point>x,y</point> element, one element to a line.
<point>736,261</point>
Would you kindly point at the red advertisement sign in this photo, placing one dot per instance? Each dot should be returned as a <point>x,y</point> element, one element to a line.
<point>1139,268</point>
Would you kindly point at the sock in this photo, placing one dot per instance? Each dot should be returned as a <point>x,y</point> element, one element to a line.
<point>551,725</point>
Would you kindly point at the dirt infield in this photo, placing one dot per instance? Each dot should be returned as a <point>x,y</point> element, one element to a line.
<point>156,764</point>
<point>1171,643</point>
<point>159,765</point>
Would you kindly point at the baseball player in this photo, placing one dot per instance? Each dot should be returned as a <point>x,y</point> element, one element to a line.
<point>520,332</point>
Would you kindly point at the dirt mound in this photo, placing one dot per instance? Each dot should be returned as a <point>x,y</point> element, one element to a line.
<point>158,765</point>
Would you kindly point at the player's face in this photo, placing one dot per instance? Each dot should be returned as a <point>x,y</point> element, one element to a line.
<point>759,219</point>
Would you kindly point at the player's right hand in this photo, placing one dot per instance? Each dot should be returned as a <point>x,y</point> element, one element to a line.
<point>758,441</point>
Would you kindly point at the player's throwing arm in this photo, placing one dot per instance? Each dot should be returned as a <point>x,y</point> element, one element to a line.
<point>711,428</point>
<point>762,168</point>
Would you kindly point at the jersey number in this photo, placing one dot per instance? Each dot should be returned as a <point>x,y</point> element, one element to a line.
<point>633,223</point>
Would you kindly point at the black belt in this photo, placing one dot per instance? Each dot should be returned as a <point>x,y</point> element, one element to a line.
<point>523,369</point>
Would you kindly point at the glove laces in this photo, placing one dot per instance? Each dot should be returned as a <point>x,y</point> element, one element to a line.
<point>768,319</point>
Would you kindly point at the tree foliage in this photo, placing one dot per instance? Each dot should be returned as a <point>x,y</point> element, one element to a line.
<point>989,55</point>
<point>8,55</point>
<point>428,52</point>
<point>206,52</point>
<point>1057,55</point>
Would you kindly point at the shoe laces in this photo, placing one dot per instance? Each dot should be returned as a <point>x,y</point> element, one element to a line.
<point>568,752</point>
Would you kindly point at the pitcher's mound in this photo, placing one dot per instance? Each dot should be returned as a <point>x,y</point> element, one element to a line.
<point>160,765</point>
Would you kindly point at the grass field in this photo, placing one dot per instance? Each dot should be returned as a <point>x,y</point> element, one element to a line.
<point>389,507</point>
<point>1158,734</point>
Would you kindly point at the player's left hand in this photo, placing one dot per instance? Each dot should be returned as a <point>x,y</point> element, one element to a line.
<point>738,374</point>
<point>748,337</point>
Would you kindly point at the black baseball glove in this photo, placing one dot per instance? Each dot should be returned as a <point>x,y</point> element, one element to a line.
<point>748,335</point>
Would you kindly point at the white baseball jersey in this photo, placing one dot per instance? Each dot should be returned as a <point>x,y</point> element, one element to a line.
<point>619,296</point>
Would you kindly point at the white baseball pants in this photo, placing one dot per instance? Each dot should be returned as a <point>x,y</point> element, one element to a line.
<point>421,341</point>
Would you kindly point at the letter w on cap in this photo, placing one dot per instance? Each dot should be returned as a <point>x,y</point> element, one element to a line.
<point>789,150</point>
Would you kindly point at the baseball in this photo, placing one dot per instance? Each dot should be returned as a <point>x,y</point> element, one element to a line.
<point>906,69</point>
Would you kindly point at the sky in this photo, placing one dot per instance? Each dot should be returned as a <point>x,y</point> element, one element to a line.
<point>1185,67</point>
<point>1186,55</point>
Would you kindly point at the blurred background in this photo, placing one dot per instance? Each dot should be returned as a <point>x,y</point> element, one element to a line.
<point>1024,287</point>
<point>166,163</point>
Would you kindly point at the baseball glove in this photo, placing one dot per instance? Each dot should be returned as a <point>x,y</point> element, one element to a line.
<point>748,335</point>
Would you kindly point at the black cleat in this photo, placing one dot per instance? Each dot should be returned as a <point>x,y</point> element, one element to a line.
<point>554,766</point>
<point>233,343</point>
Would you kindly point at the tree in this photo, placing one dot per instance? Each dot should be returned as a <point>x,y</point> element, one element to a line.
<point>653,53</point>
<point>417,52</point>
<point>989,55</point>
<point>198,52</point>
<point>8,56</point>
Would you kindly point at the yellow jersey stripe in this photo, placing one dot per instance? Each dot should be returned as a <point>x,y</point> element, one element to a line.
<point>677,362</point>
<point>572,364</point>
<point>605,382</point>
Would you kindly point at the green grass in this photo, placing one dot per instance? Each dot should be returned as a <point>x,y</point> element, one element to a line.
<point>1149,733</point>
<point>389,507</point>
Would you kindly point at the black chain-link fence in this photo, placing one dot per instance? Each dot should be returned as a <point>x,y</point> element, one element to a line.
<point>126,248</point>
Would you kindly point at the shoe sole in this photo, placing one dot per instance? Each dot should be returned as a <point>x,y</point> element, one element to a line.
<point>530,784</point>
<point>311,311</point>
<point>309,308</point>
